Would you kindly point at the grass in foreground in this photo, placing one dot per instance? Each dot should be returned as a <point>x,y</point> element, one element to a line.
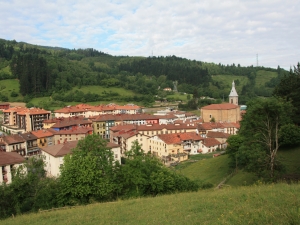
<point>263,204</point>
<point>212,170</point>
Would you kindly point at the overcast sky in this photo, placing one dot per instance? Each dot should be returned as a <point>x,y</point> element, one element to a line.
<point>220,31</point>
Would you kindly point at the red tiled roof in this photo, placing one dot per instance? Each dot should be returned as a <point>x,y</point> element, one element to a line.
<point>10,158</point>
<point>13,139</point>
<point>42,133</point>
<point>66,123</point>
<point>15,109</point>
<point>179,137</point>
<point>127,134</point>
<point>60,119</point>
<point>224,106</point>
<point>177,126</point>
<point>70,109</point>
<point>123,127</point>
<point>112,145</point>
<point>77,130</point>
<point>29,136</point>
<point>210,142</point>
<point>215,134</point>
<point>125,117</point>
<point>60,149</point>
<point>98,108</point>
<point>33,111</point>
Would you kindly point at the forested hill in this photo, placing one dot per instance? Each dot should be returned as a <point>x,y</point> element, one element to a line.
<point>51,71</point>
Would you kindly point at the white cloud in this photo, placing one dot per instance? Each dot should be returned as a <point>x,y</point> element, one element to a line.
<point>209,30</point>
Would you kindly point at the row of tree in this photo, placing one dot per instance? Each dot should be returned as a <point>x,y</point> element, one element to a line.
<point>90,174</point>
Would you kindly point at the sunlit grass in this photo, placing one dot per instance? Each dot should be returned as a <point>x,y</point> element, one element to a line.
<point>258,204</point>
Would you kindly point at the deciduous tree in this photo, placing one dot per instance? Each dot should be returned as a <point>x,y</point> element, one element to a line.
<point>260,130</point>
<point>89,173</point>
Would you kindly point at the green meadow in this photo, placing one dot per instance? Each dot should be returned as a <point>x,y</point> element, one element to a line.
<point>243,199</point>
<point>256,204</point>
<point>8,86</point>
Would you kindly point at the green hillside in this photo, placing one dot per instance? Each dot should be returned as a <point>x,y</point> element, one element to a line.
<point>215,170</point>
<point>46,71</point>
<point>7,87</point>
<point>263,76</point>
<point>258,204</point>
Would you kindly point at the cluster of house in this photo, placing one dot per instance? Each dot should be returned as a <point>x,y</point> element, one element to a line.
<point>171,136</point>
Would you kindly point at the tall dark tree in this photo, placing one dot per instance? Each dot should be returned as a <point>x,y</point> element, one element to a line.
<point>289,89</point>
<point>259,135</point>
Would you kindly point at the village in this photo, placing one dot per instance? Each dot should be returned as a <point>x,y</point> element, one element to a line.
<point>171,135</point>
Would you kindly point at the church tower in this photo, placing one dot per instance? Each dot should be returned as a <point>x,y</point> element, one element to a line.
<point>233,96</point>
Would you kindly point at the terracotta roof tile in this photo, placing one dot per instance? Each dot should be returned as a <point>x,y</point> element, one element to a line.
<point>42,133</point>
<point>60,149</point>
<point>112,145</point>
<point>10,158</point>
<point>63,149</point>
<point>33,111</point>
<point>224,106</point>
<point>67,123</point>
<point>215,134</point>
<point>13,139</point>
<point>78,130</point>
<point>179,137</point>
<point>125,117</point>
<point>15,109</point>
<point>29,136</point>
<point>210,142</point>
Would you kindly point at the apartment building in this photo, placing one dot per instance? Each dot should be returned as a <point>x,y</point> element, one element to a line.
<point>90,111</point>
<point>63,136</point>
<point>21,119</point>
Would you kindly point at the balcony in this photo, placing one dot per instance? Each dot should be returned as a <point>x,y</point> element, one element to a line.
<point>33,150</point>
<point>32,146</point>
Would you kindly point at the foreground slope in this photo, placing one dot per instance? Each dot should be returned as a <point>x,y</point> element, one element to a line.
<point>262,204</point>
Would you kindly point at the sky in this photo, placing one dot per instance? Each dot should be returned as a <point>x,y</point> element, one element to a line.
<point>244,32</point>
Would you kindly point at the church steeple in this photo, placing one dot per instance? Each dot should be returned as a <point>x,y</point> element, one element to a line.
<point>233,96</point>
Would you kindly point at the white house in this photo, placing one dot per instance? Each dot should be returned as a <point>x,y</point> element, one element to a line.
<point>54,155</point>
<point>209,145</point>
<point>9,161</point>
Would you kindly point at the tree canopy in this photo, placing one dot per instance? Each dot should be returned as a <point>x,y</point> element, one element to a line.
<point>255,148</point>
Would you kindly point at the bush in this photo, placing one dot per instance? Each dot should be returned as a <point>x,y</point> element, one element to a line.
<point>14,94</point>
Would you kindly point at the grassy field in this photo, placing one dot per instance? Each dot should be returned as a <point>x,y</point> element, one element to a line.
<point>263,76</point>
<point>8,86</point>
<point>99,90</point>
<point>179,96</point>
<point>211,170</point>
<point>258,204</point>
<point>227,81</point>
<point>40,101</point>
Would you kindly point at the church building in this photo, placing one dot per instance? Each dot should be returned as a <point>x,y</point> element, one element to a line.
<point>225,112</point>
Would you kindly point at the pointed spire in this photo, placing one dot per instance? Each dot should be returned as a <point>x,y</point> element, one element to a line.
<point>233,92</point>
